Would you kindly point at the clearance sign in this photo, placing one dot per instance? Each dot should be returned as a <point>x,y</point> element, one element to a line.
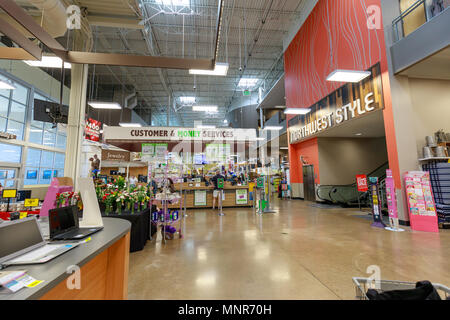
<point>348,102</point>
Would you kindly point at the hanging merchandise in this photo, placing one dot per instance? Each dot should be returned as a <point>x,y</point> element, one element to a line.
<point>376,206</point>
<point>422,209</point>
<point>392,202</point>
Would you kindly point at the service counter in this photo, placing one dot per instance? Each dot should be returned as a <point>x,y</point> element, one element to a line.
<point>202,196</point>
<point>103,263</point>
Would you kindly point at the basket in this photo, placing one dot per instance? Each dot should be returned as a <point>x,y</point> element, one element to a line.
<point>364,284</point>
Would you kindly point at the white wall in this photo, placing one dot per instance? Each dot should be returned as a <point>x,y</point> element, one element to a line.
<point>341,159</point>
<point>430,108</point>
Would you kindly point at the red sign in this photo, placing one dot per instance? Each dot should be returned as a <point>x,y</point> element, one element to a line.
<point>361,181</point>
<point>93,130</point>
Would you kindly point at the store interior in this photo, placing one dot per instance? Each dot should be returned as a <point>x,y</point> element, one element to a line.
<point>229,150</point>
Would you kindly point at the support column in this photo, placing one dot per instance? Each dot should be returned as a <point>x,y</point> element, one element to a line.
<point>76,123</point>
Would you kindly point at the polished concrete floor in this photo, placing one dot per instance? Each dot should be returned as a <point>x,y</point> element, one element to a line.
<point>301,252</point>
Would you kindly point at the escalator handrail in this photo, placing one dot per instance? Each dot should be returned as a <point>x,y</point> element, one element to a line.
<point>382,177</point>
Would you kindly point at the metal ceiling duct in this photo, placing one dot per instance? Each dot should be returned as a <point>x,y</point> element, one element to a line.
<point>55,16</point>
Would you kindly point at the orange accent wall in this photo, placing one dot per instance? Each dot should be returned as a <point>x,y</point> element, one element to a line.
<point>336,36</point>
<point>310,151</point>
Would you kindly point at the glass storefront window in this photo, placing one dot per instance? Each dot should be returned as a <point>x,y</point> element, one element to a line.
<point>49,139</point>
<point>59,160</point>
<point>34,157</point>
<point>35,135</point>
<point>45,176</point>
<point>10,153</point>
<point>2,124</point>
<point>4,105</point>
<point>16,128</point>
<point>20,94</point>
<point>61,141</point>
<point>17,112</point>
<point>47,159</point>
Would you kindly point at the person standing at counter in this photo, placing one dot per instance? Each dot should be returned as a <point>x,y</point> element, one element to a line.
<point>216,192</point>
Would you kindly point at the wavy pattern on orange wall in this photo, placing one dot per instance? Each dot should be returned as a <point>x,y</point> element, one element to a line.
<point>335,36</point>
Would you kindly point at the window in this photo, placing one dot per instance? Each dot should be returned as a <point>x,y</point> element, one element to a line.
<point>10,153</point>
<point>42,166</point>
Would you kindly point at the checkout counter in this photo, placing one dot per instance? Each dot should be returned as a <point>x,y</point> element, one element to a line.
<point>198,195</point>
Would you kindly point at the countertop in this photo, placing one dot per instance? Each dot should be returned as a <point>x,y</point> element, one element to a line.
<point>55,271</point>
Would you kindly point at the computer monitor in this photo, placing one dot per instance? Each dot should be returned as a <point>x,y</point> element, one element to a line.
<point>18,237</point>
<point>23,194</point>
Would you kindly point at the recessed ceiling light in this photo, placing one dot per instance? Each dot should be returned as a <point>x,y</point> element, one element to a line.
<point>273,128</point>
<point>353,76</point>
<point>48,62</point>
<point>221,69</point>
<point>205,108</point>
<point>187,100</point>
<point>105,105</point>
<point>179,3</point>
<point>297,111</point>
<point>6,86</point>
<point>130,125</point>
<point>248,82</point>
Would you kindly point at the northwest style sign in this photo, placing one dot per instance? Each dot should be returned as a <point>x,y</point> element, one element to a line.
<point>351,101</point>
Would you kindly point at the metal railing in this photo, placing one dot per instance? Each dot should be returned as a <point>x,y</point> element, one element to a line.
<point>431,8</point>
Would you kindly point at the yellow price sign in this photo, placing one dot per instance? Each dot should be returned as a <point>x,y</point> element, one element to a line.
<point>23,215</point>
<point>31,203</point>
<point>9,194</point>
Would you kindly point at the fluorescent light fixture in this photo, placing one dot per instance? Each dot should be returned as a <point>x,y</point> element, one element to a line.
<point>105,105</point>
<point>280,107</point>
<point>284,148</point>
<point>179,3</point>
<point>188,100</point>
<point>205,108</point>
<point>248,82</point>
<point>6,85</point>
<point>130,125</point>
<point>205,127</point>
<point>353,76</point>
<point>358,134</point>
<point>48,62</point>
<point>273,128</point>
<point>221,69</point>
<point>297,111</point>
<point>225,121</point>
<point>260,139</point>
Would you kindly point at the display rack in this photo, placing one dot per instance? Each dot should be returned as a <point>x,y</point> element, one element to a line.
<point>163,171</point>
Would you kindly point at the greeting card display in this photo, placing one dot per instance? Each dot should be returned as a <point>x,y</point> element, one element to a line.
<point>421,205</point>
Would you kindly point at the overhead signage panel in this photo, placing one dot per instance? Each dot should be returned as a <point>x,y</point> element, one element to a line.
<point>351,101</point>
<point>178,134</point>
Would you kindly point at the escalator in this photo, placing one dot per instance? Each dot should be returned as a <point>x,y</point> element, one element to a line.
<point>347,195</point>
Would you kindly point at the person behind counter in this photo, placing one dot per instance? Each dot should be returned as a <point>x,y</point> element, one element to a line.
<point>171,186</point>
<point>133,181</point>
<point>216,192</point>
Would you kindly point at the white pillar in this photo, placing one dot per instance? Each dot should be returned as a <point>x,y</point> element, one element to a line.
<point>76,123</point>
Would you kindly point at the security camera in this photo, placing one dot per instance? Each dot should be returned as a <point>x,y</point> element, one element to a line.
<point>195,87</point>
<point>240,69</point>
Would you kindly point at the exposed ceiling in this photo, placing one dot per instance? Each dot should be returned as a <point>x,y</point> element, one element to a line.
<point>252,35</point>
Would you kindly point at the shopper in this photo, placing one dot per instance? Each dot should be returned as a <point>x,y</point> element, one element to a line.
<point>95,166</point>
<point>171,186</point>
<point>217,191</point>
<point>133,181</point>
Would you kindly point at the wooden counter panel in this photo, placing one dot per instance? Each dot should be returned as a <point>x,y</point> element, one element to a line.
<point>103,278</point>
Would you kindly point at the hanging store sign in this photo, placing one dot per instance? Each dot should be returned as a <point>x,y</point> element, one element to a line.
<point>92,130</point>
<point>113,155</point>
<point>353,100</point>
<point>178,134</point>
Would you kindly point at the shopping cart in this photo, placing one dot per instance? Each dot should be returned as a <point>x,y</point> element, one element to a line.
<point>364,284</point>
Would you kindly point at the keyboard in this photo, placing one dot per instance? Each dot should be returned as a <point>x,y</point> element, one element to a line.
<point>48,251</point>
